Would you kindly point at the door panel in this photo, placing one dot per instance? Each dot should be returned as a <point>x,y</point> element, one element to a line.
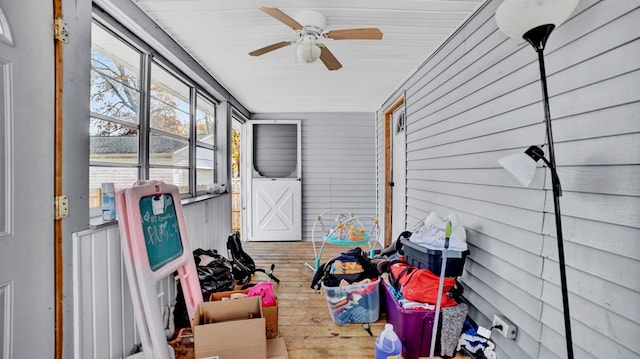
<point>26,179</point>
<point>274,212</point>
<point>273,163</point>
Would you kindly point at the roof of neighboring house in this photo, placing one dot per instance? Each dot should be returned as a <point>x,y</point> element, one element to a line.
<point>129,144</point>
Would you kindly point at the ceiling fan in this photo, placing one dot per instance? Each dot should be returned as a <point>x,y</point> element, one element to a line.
<point>309,28</point>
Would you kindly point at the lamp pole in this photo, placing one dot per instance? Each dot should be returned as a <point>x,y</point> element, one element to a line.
<point>537,37</point>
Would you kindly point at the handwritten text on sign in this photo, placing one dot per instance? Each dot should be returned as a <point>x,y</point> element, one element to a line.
<point>160,228</point>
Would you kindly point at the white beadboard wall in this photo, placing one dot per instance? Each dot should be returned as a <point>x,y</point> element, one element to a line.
<point>338,163</point>
<point>477,99</point>
<point>104,324</point>
<point>209,223</point>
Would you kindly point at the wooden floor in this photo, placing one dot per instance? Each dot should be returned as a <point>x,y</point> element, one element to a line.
<point>303,319</point>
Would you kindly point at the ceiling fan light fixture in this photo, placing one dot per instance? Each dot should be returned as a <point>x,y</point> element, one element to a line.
<point>307,50</point>
<point>309,26</point>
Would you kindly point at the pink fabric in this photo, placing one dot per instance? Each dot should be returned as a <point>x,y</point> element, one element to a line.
<point>266,291</point>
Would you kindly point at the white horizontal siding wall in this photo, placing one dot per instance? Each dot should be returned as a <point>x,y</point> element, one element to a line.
<point>477,99</point>
<point>104,325</point>
<point>338,163</point>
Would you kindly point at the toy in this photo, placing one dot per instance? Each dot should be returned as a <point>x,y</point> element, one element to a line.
<point>345,229</point>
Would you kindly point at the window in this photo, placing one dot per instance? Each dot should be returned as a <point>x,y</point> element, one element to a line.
<point>162,128</point>
<point>401,121</point>
<point>115,113</point>
<point>205,142</point>
<point>169,123</point>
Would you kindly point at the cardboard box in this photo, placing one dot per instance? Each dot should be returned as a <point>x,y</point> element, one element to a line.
<point>270,313</point>
<point>230,329</point>
<point>277,349</point>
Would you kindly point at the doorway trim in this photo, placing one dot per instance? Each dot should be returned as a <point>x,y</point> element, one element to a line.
<point>266,196</point>
<point>388,175</point>
<point>237,120</point>
<point>57,225</point>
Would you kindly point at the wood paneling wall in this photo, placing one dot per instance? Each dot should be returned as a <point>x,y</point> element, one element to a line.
<point>477,99</point>
<point>338,163</point>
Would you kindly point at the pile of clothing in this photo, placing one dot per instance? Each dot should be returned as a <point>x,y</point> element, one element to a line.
<point>354,303</point>
<point>351,266</point>
<point>473,344</point>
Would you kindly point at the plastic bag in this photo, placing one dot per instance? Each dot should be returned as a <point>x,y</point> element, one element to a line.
<point>215,274</point>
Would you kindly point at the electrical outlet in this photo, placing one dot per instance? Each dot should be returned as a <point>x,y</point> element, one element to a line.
<point>504,327</point>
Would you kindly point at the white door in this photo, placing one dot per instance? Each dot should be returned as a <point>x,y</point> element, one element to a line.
<point>398,168</point>
<point>273,160</point>
<point>26,179</point>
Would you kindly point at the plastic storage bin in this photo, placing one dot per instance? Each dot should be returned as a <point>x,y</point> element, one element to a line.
<point>421,257</point>
<point>414,327</point>
<point>356,303</point>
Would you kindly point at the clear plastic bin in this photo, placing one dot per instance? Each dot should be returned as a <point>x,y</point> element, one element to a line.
<point>355,303</point>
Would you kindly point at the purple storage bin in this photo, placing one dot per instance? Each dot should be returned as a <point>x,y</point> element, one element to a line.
<point>414,327</point>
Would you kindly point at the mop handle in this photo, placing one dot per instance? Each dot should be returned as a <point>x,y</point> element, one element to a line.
<point>434,330</point>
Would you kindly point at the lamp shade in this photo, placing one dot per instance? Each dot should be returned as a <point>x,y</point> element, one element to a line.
<point>516,17</point>
<point>520,165</point>
<point>307,50</point>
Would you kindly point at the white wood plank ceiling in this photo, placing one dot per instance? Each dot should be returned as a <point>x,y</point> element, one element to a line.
<point>219,34</point>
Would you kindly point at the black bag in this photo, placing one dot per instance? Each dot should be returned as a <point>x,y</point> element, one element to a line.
<point>215,274</point>
<point>324,276</point>
<point>243,265</point>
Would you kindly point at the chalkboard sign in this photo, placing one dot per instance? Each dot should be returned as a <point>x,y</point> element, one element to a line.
<point>160,229</point>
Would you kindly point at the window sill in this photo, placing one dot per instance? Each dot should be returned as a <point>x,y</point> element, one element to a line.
<point>202,197</point>
<point>97,222</point>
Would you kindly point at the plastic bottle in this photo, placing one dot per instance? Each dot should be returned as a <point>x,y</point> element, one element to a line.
<point>388,345</point>
<point>108,202</point>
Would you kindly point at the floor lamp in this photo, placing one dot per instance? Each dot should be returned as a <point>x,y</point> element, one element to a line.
<point>533,21</point>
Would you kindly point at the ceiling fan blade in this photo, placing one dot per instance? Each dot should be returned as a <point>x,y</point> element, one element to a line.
<point>269,48</point>
<point>370,33</point>
<point>328,59</point>
<point>282,17</point>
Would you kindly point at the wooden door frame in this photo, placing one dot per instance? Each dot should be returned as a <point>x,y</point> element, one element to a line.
<point>388,175</point>
<point>57,225</point>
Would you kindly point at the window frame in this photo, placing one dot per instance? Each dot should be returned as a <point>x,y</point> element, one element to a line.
<point>149,56</point>
<point>197,93</point>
